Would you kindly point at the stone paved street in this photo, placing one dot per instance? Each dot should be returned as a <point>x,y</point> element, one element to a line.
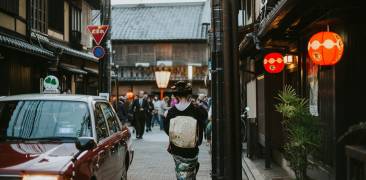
<point>153,162</point>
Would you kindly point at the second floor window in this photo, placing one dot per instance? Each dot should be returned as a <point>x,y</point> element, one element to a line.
<point>75,19</point>
<point>56,15</point>
<point>10,6</point>
<point>38,15</point>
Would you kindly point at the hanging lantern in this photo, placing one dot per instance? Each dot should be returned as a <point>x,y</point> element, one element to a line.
<point>273,62</point>
<point>325,48</point>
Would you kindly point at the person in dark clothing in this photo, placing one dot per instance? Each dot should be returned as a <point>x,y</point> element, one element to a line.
<point>149,113</point>
<point>121,110</point>
<point>186,159</point>
<point>140,108</point>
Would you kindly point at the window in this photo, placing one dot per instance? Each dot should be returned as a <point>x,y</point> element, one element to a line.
<point>148,53</point>
<point>100,123</point>
<point>75,19</point>
<point>38,15</point>
<point>56,15</point>
<point>163,52</point>
<point>111,118</point>
<point>133,53</point>
<point>32,119</point>
<point>180,52</point>
<point>11,6</point>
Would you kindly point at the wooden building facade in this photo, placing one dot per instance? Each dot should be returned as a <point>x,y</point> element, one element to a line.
<point>170,36</point>
<point>334,92</point>
<point>42,37</point>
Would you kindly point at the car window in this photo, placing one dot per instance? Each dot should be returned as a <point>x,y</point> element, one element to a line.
<point>110,117</point>
<point>30,119</point>
<point>100,123</point>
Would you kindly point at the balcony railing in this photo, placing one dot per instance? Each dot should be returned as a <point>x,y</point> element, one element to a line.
<point>148,73</point>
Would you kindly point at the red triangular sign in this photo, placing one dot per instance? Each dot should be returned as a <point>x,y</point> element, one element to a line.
<point>98,32</point>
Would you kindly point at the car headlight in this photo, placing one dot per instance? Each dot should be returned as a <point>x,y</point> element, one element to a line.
<point>41,177</point>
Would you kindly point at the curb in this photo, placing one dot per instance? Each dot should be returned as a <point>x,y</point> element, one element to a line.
<point>251,170</point>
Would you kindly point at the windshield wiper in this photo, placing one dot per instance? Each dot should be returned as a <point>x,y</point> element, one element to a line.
<point>12,138</point>
<point>53,138</point>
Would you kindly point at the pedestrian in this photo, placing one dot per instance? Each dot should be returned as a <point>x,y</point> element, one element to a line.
<point>184,124</point>
<point>202,101</point>
<point>173,101</point>
<point>121,110</point>
<point>140,109</point>
<point>165,107</point>
<point>157,112</point>
<point>149,113</point>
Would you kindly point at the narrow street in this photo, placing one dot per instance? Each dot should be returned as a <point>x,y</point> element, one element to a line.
<point>153,162</point>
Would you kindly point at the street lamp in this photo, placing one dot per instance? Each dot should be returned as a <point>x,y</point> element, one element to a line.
<point>162,80</point>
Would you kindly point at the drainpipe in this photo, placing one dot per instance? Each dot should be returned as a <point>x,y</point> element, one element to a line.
<point>217,93</point>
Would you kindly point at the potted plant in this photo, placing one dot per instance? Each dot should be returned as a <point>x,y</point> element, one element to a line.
<point>302,129</point>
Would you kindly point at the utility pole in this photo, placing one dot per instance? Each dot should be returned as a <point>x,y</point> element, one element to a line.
<point>104,63</point>
<point>232,143</point>
<point>226,149</point>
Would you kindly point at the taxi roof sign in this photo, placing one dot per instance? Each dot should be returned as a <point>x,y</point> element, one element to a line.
<point>51,84</point>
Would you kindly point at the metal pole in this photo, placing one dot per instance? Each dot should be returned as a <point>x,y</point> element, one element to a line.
<point>161,93</point>
<point>104,63</point>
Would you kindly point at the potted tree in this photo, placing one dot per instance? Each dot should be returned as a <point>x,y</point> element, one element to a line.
<point>302,129</point>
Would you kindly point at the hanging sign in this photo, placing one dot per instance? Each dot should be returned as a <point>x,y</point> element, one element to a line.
<point>98,32</point>
<point>98,51</point>
<point>51,84</point>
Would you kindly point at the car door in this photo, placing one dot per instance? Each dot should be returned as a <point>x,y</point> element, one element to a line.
<point>118,147</point>
<point>104,159</point>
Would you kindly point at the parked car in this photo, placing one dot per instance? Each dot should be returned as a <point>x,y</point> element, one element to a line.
<point>61,137</point>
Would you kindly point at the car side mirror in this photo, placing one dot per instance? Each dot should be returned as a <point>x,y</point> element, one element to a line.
<point>85,143</point>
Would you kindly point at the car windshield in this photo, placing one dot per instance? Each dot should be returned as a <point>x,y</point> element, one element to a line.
<point>40,119</point>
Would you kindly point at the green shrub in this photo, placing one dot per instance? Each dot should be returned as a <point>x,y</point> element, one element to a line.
<point>301,128</point>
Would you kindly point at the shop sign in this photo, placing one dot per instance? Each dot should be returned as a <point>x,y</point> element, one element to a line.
<point>51,84</point>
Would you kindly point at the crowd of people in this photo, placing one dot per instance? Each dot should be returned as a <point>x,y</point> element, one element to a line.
<point>184,117</point>
<point>145,111</point>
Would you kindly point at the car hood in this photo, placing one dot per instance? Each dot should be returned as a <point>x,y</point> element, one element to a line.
<point>35,156</point>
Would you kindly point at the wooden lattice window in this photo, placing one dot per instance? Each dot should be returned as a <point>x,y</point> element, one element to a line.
<point>39,15</point>
<point>10,6</point>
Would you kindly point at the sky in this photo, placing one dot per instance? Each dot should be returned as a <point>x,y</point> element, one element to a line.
<point>150,1</point>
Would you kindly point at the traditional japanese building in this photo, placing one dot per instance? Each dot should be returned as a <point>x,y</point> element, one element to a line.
<point>172,36</point>
<point>334,91</point>
<point>41,37</point>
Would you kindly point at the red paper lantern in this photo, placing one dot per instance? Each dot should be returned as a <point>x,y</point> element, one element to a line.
<point>273,62</point>
<point>325,48</point>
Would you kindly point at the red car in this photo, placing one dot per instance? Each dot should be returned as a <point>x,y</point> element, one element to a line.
<point>61,137</point>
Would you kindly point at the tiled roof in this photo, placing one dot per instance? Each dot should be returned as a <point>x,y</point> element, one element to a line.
<point>73,52</point>
<point>24,46</point>
<point>175,21</point>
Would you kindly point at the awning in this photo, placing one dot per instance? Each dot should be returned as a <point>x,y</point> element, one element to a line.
<point>91,70</point>
<point>73,69</point>
<point>21,45</point>
<point>274,16</point>
<point>73,52</point>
